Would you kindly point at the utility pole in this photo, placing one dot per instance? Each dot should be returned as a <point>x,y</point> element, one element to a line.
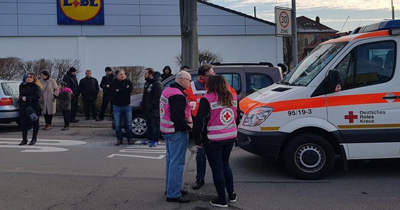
<point>294,31</point>
<point>392,11</point>
<point>255,12</point>
<point>189,37</point>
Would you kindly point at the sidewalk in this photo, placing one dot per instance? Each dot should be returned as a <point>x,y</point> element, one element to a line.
<point>58,121</point>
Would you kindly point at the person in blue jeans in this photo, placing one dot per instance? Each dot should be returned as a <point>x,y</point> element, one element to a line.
<point>121,89</point>
<point>176,120</point>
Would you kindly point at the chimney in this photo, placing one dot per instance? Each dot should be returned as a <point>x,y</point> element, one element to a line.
<point>317,19</point>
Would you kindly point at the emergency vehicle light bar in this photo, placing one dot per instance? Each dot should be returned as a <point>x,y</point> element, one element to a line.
<point>384,25</point>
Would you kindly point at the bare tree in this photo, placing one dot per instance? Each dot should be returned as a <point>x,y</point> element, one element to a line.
<point>61,67</point>
<point>205,56</point>
<point>288,52</point>
<point>9,68</point>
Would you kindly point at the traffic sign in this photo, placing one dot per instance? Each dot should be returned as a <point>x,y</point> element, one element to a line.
<point>283,21</point>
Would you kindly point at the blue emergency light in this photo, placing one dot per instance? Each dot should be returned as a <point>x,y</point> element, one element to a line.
<point>384,25</point>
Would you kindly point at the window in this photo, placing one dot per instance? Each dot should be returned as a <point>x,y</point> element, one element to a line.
<point>234,81</point>
<point>10,88</point>
<point>256,82</point>
<point>368,64</point>
<point>305,41</point>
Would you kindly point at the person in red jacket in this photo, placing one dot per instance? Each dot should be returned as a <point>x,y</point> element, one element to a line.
<point>195,92</point>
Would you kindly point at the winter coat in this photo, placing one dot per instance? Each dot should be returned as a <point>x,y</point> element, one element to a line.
<point>32,93</point>
<point>106,80</point>
<point>72,83</point>
<point>121,92</point>
<point>49,92</point>
<point>65,99</point>
<point>89,88</point>
<point>165,76</point>
<point>151,96</point>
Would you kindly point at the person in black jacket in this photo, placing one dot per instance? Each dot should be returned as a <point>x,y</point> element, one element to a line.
<point>121,89</point>
<point>151,105</point>
<point>89,88</point>
<point>29,95</point>
<point>167,72</point>
<point>107,97</point>
<point>72,82</point>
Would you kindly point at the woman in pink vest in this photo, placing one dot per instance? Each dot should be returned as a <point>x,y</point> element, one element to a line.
<point>215,128</point>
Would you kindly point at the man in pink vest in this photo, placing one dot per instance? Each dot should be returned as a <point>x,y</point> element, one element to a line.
<point>175,122</point>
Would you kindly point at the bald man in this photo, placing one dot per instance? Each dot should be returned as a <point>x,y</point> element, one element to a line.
<point>176,120</point>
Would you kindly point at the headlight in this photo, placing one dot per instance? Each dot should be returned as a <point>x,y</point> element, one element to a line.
<point>257,116</point>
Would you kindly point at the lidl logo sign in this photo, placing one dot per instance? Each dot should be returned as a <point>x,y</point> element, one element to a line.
<point>88,12</point>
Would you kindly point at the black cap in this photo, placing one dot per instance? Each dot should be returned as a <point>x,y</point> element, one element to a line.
<point>108,69</point>
<point>72,69</point>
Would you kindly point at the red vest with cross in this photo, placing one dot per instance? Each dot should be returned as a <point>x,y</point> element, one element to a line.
<point>222,123</point>
<point>166,125</point>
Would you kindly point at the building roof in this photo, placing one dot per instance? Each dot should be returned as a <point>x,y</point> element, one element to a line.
<point>306,25</point>
<point>235,12</point>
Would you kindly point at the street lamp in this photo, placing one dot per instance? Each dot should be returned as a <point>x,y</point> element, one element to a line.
<point>392,11</point>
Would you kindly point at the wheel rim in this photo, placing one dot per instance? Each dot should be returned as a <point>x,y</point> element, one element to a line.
<point>139,126</point>
<point>310,158</point>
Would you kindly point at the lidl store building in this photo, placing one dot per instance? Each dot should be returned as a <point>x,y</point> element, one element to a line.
<point>104,33</point>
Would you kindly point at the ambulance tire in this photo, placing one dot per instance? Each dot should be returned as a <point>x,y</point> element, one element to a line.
<point>309,156</point>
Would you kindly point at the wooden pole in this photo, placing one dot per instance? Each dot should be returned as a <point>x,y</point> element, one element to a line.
<point>189,37</point>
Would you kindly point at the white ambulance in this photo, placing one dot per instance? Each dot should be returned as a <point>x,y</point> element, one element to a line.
<point>343,100</point>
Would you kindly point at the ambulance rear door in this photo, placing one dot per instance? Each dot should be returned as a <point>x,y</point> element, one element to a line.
<point>367,109</point>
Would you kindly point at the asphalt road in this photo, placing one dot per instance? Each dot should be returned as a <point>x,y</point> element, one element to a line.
<point>82,169</point>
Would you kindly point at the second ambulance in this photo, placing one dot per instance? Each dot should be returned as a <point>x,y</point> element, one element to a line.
<point>343,101</point>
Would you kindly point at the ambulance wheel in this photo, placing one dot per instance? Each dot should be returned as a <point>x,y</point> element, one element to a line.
<point>309,156</point>
<point>139,127</point>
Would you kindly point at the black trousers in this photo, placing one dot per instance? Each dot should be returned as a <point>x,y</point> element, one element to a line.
<point>90,106</point>
<point>74,106</point>
<point>153,128</point>
<point>104,107</point>
<point>48,118</point>
<point>66,115</point>
<point>26,125</point>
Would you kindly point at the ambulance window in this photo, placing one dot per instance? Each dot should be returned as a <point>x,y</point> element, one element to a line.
<point>256,82</point>
<point>234,81</point>
<point>368,64</point>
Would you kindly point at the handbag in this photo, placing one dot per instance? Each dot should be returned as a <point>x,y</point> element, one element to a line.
<point>33,116</point>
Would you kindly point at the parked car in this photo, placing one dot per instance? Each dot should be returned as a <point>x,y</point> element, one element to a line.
<point>244,78</point>
<point>9,93</point>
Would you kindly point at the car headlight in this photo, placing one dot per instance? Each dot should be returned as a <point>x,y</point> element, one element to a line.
<point>257,116</point>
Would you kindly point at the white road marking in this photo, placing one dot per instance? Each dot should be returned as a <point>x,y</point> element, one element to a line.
<point>144,151</point>
<point>138,156</point>
<point>43,145</point>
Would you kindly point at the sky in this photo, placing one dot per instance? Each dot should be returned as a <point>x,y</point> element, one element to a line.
<point>332,13</point>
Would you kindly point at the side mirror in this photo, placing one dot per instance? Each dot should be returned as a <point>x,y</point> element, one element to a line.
<point>334,81</point>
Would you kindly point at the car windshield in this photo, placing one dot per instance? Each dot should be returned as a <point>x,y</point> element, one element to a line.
<point>313,64</point>
<point>10,88</point>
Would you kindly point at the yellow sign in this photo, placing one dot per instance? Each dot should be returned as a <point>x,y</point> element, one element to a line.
<point>81,10</point>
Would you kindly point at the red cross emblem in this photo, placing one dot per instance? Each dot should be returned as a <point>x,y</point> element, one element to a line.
<point>227,116</point>
<point>351,117</point>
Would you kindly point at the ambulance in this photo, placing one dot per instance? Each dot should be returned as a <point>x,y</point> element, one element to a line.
<point>341,103</point>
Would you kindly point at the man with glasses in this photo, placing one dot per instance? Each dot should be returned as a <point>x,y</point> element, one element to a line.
<point>195,92</point>
<point>176,120</point>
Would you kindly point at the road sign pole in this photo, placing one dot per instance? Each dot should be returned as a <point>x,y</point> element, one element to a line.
<point>294,32</point>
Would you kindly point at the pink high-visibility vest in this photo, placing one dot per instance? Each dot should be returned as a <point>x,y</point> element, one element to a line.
<point>166,125</point>
<point>222,123</point>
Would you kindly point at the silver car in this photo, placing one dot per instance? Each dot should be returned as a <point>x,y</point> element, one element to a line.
<point>9,93</point>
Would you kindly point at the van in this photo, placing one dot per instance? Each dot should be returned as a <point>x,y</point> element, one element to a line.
<point>342,100</point>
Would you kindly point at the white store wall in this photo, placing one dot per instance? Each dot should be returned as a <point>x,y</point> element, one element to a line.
<point>96,53</point>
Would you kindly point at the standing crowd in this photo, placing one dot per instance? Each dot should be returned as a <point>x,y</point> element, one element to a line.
<point>207,107</point>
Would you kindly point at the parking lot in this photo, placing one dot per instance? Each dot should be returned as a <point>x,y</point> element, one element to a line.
<point>82,169</point>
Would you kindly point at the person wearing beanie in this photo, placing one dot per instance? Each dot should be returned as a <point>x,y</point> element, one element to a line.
<point>72,82</point>
<point>167,72</point>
